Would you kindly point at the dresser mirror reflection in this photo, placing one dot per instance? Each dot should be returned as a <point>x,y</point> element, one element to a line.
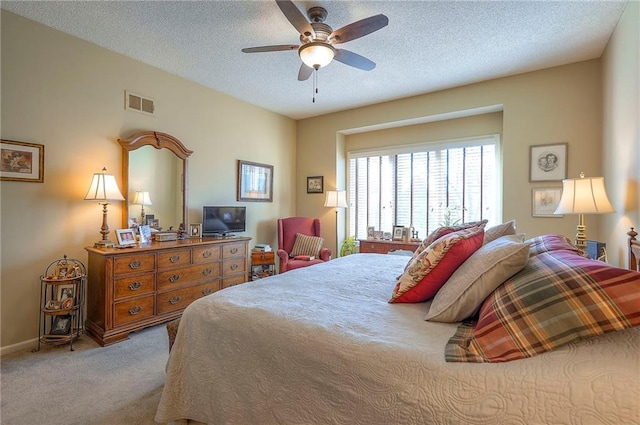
<point>156,163</point>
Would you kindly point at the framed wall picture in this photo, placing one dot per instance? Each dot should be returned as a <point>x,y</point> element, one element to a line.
<point>315,184</point>
<point>195,230</point>
<point>548,162</point>
<point>255,182</point>
<point>126,236</point>
<point>21,162</point>
<point>398,233</point>
<point>545,201</point>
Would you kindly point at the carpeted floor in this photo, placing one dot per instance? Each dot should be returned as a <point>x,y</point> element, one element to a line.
<point>116,385</point>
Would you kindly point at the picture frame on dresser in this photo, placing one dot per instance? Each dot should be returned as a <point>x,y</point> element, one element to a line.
<point>125,236</point>
<point>195,230</point>
<point>398,233</point>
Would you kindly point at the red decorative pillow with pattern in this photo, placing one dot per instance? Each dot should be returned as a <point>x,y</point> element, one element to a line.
<point>428,271</point>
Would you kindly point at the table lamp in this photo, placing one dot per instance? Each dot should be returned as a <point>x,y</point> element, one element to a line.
<point>583,196</point>
<point>336,199</point>
<point>141,198</point>
<point>104,189</point>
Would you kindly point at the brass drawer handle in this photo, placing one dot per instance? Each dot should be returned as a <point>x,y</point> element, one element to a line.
<point>135,286</point>
<point>206,254</point>
<point>135,310</point>
<point>174,258</point>
<point>206,272</point>
<point>134,264</point>
<point>174,278</point>
<point>207,291</point>
<point>234,266</point>
<point>233,250</point>
<point>174,300</point>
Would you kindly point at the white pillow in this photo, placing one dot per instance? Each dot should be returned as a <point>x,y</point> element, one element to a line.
<point>504,229</point>
<point>488,267</point>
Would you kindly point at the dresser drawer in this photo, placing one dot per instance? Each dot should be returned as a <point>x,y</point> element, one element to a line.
<point>233,280</point>
<point>134,264</point>
<point>181,298</point>
<point>134,310</point>
<point>233,266</point>
<point>233,250</point>
<point>206,254</point>
<point>172,279</point>
<point>179,257</point>
<point>134,285</point>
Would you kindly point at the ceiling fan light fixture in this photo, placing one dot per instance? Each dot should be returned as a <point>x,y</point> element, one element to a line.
<point>316,54</point>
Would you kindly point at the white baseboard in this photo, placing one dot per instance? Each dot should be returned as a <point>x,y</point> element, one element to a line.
<point>29,345</point>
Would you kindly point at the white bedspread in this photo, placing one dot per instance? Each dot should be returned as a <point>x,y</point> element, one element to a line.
<point>322,345</point>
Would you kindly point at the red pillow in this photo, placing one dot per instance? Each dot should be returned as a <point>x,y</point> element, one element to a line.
<point>429,271</point>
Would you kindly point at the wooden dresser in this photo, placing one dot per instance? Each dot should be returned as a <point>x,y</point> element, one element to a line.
<point>378,246</point>
<point>133,288</point>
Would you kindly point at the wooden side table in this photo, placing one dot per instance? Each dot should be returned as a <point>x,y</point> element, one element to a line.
<point>263,264</point>
<point>377,246</point>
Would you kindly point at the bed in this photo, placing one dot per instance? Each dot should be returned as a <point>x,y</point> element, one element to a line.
<point>324,345</point>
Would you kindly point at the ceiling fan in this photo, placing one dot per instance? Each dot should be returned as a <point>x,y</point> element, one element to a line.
<point>318,39</point>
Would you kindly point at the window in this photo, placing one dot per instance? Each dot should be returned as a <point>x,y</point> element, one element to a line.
<point>424,186</point>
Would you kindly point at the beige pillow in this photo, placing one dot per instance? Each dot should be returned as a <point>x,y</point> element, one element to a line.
<point>306,245</point>
<point>504,229</point>
<point>485,270</point>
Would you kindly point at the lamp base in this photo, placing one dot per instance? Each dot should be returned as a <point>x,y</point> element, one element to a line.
<point>104,244</point>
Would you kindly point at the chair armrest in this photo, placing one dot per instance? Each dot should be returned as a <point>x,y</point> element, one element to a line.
<point>284,255</point>
<point>325,254</point>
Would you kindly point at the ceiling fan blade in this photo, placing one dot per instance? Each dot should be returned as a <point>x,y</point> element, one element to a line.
<point>275,48</point>
<point>353,59</point>
<point>304,73</point>
<point>297,19</point>
<point>358,29</point>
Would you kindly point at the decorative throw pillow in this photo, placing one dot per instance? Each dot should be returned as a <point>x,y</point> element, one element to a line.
<point>559,297</point>
<point>486,269</point>
<point>547,243</point>
<point>428,271</point>
<point>504,229</point>
<point>440,232</point>
<point>306,245</point>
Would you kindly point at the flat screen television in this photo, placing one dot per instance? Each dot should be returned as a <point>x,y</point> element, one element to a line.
<point>222,221</point>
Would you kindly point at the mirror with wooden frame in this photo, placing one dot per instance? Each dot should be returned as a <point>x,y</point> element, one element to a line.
<point>157,163</point>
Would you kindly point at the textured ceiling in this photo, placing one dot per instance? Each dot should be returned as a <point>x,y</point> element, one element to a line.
<point>427,46</point>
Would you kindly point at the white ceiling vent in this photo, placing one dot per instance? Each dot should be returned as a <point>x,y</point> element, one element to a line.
<point>138,103</point>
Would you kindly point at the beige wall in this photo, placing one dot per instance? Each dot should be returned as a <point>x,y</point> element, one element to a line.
<point>621,132</point>
<point>68,95</point>
<point>555,105</point>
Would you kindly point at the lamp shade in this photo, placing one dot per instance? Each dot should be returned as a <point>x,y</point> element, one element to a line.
<point>316,54</point>
<point>104,188</point>
<point>141,198</point>
<point>584,196</point>
<point>336,199</point>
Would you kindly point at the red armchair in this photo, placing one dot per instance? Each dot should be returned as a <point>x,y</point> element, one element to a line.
<point>287,230</point>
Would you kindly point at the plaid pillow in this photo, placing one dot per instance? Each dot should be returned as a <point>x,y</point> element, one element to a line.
<point>306,245</point>
<point>559,297</point>
<point>426,273</point>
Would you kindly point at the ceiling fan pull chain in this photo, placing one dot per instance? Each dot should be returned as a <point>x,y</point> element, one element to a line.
<point>315,84</point>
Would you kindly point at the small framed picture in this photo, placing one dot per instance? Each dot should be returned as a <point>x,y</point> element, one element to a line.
<point>145,234</point>
<point>65,292</point>
<point>61,325</point>
<point>398,233</point>
<point>154,223</point>
<point>195,230</point>
<point>545,201</point>
<point>21,162</point>
<point>126,236</point>
<point>370,232</point>
<point>148,218</point>
<point>548,162</point>
<point>315,184</point>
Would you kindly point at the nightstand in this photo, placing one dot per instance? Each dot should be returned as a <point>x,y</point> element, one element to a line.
<point>263,264</point>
